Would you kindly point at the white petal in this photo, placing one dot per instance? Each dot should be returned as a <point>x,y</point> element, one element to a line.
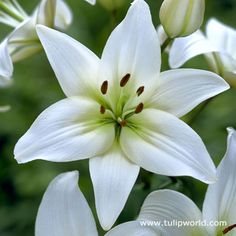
<point>91,1</point>
<point>179,91</point>
<point>4,108</point>
<point>64,210</point>
<point>133,228</point>
<point>220,199</point>
<point>133,48</point>
<point>161,143</point>
<point>63,17</point>
<point>186,48</point>
<point>68,130</point>
<point>113,177</point>
<point>221,36</point>
<point>74,65</point>
<point>23,41</point>
<point>6,66</point>
<point>169,206</point>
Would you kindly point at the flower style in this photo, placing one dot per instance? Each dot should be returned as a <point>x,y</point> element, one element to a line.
<point>217,46</point>
<point>219,204</point>
<point>121,112</point>
<point>64,211</point>
<point>23,41</point>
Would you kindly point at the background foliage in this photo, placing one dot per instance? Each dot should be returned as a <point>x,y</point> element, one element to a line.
<point>35,88</point>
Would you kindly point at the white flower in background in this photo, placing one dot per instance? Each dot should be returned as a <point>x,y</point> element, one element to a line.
<point>65,212</point>
<point>93,2</point>
<point>218,46</point>
<point>219,204</point>
<point>23,41</point>
<point>181,17</point>
<point>121,112</point>
<point>4,108</point>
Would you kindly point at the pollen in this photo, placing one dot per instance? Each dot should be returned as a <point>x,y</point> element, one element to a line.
<point>102,109</point>
<point>229,228</point>
<point>124,80</point>
<point>140,90</point>
<point>104,87</point>
<point>139,108</point>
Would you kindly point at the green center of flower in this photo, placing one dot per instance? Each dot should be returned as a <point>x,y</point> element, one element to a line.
<point>118,113</point>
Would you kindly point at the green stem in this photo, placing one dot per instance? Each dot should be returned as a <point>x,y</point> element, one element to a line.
<point>165,44</point>
<point>10,12</point>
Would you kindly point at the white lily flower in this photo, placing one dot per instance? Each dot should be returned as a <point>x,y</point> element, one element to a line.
<point>23,41</point>
<point>121,112</point>
<point>64,211</point>
<point>219,205</point>
<point>217,45</point>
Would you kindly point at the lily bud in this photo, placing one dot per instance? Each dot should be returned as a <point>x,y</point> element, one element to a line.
<point>181,18</point>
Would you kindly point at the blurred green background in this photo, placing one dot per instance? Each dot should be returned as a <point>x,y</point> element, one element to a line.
<point>35,88</point>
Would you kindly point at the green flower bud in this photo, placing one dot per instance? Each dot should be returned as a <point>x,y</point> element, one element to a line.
<point>181,18</point>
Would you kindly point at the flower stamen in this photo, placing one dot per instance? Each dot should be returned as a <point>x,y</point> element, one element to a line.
<point>140,90</point>
<point>229,228</point>
<point>104,87</point>
<point>139,108</point>
<point>102,109</point>
<point>124,80</point>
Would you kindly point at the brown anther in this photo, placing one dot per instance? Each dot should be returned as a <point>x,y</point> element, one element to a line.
<point>102,109</point>
<point>124,80</point>
<point>104,87</point>
<point>229,228</point>
<point>140,90</point>
<point>139,108</point>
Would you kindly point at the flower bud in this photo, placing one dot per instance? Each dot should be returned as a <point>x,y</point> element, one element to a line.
<point>181,18</point>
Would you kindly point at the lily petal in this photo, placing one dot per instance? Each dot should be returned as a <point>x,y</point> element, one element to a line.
<point>74,65</point>
<point>6,66</point>
<point>64,132</point>
<point>64,210</point>
<point>179,91</point>
<point>221,36</point>
<point>220,199</point>
<point>64,16</point>
<point>91,1</point>
<point>129,50</point>
<point>183,49</point>
<point>113,177</point>
<point>169,206</point>
<point>4,108</point>
<point>23,41</point>
<point>133,228</point>
<point>161,143</point>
